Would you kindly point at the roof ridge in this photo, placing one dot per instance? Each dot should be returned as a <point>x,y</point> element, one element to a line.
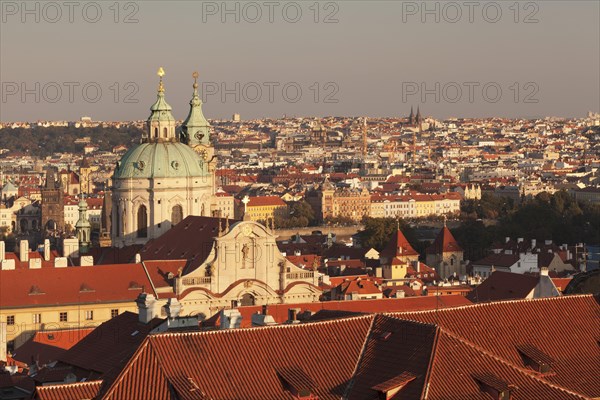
<point>486,304</point>
<point>124,370</point>
<point>255,328</point>
<point>526,371</point>
<point>63,385</point>
<point>350,384</point>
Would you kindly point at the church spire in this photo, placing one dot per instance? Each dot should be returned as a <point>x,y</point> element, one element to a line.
<point>160,124</point>
<point>83,226</point>
<point>195,129</point>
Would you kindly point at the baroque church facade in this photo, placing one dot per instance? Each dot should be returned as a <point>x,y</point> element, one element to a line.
<point>166,177</point>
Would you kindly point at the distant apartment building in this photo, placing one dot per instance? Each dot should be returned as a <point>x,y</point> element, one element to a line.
<point>330,202</point>
<point>415,205</point>
<point>589,194</point>
<point>263,208</point>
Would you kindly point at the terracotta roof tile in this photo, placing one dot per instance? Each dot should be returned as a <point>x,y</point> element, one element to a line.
<point>73,391</point>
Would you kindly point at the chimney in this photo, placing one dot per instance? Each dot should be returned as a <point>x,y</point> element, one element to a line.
<point>297,252</point>
<point>146,307</point>
<point>60,262</point>
<point>173,308</point>
<point>520,240</point>
<point>548,242</point>
<point>507,239</point>
<point>24,251</point>
<point>86,261</point>
<point>533,243</point>
<point>265,309</point>
<point>35,263</point>
<point>544,271</point>
<point>2,250</point>
<point>46,250</point>
<point>138,258</point>
<point>71,247</point>
<point>293,315</point>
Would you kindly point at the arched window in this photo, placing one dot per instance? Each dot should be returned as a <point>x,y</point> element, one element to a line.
<point>142,222</point>
<point>155,132</point>
<point>165,132</point>
<point>176,215</point>
<point>247,300</point>
<point>33,224</point>
<point>23,225</point>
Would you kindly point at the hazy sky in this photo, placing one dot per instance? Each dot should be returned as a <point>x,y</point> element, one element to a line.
<point>373,58</point>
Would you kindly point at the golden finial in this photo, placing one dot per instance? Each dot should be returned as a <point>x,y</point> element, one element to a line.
<point>161,73</point>
<point>195,76</point>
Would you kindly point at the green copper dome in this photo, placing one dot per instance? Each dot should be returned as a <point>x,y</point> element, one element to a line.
<point>160,160</point>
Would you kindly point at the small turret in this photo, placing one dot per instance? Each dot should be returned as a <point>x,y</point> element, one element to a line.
<point>83,227</point>
<point>161,123</point>
<point>195,129</point>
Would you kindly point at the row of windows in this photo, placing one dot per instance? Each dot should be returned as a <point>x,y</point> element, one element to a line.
<point>62,317</point>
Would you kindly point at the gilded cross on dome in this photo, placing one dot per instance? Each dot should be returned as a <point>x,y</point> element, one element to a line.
<point>161,73</point>
<point>195,76</point>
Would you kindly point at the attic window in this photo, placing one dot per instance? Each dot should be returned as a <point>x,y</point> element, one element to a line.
<point>85,288</point>
<point>133,285</point>
<point>391,387</point>
<point>535,358</point>
<point>35,290</point>
<point>494,386</point>
<point>298,383</point>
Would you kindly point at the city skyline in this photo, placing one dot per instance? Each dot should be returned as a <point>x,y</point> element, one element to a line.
<point>359,59</point>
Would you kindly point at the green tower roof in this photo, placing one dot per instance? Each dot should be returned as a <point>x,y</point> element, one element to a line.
<point>161,110</point>
<point>196,128</point>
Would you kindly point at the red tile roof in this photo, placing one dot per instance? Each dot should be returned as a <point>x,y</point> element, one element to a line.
<point>191,239</point>
<point>565,328</point>
<point>45,347</point>
<point>444,242</point>
<point>72,285</point>
<point>451,353</point>
<point>398,246</point>
<point>324,354</point>
<point>111,343</point>
<point>73,391</point>
<point>502,285</point>
<point>279,312</point>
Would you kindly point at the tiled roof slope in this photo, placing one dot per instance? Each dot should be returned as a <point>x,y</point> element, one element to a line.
<point>280,312</point>
<point>457,364</point>
<point>444,242</point>
<point>244,363</point>
<point>112,342</point>
<point>443,354</point>
<point>394,348</point>
<point>565,328</point>
<point>398,246</point>
<point>191,239</point>
<point>72,285</point>
<point>45,347</point>
<point>502,285</point>
<point>74,391</point>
